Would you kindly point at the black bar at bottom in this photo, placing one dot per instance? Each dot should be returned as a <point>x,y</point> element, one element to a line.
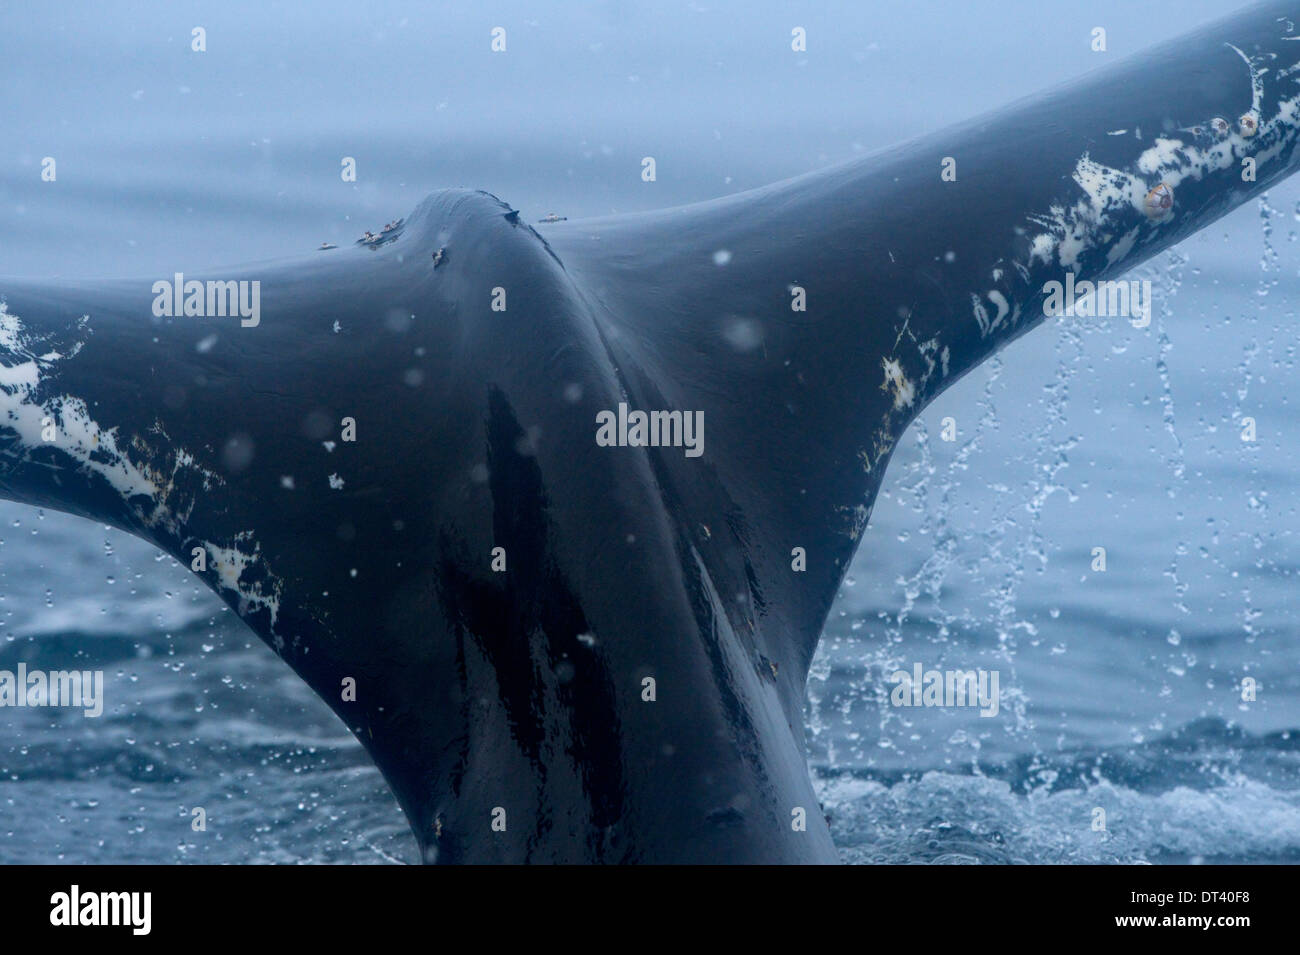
<point>330,904</point>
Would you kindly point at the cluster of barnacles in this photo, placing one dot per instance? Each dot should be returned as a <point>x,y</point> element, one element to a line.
<point>369,239</point>
<point>387,234</point>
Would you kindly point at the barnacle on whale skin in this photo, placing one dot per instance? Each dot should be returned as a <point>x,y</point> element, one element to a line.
<point>1159,201</point>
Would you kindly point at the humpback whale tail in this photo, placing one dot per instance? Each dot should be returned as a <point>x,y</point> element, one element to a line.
<point>553,522</point>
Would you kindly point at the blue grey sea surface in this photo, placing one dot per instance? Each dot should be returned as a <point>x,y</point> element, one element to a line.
<point>1120,690</point>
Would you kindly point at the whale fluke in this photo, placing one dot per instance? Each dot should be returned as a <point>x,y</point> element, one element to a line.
<point>417,466</point>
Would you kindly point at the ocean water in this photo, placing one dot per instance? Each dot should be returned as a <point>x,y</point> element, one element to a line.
<point>1121,690</point>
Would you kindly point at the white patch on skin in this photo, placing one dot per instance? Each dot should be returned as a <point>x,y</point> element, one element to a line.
<point>1123,247</point>
<point>95,450</point>
<point>1000,300</point>
<point>18,376</point>
<point>1256,80</point>
<point>1103,217</point>
<point>926,350</point>
<point>858,514</point>
<point>1004,308</point>
<point>1041,247</point>
<point>1092,221</point>
<point>336,482</point>
<point>904,392</point>
<point>1164,153</point>
<point>78,435</point>
<point>229,563</point>
<point>981,314</point>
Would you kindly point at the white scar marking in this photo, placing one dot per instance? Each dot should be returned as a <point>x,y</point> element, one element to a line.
<point>1123,247</point>
<point>95,450</point>
<point>1000,300</point>
<point>902,332</point>
<point>981,314</point>
<point>1256,80</point>
<point>230,564</point>
<point>904,392</point>
<point>858,515</point>
<point>76,433</point>
<point>1108,193</point>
